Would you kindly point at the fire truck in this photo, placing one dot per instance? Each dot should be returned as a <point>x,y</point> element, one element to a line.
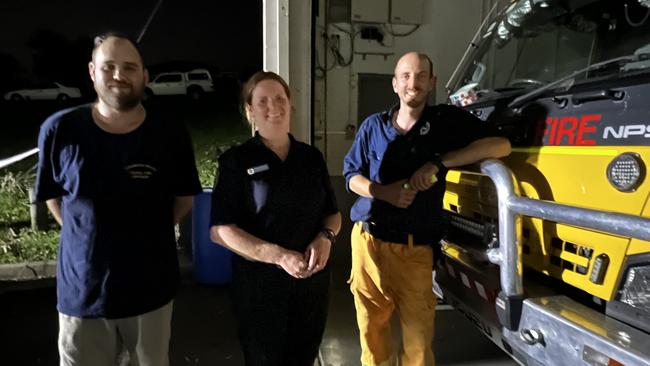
<point>548,250</point>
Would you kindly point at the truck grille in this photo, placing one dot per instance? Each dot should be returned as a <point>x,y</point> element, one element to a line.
<point>570,256</point>
<point>483,230</point>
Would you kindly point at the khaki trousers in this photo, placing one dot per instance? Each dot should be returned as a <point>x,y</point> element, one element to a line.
<point>389,277</point>
<point>103,342</point>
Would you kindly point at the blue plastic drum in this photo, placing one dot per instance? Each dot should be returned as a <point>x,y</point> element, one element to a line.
<point>212,262</point>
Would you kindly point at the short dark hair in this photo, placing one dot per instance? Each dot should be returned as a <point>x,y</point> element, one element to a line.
<point>100,38</point>
<point>251,83</point>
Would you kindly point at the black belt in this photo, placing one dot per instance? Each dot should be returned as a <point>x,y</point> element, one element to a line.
<point>395,236</point>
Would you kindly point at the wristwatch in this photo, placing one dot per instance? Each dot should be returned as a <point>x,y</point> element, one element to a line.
<point>329,234</point>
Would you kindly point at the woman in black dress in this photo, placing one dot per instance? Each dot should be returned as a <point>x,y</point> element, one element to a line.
<point>274,206</point>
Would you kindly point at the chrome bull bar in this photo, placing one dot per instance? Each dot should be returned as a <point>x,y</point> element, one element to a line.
<point>511,206</point>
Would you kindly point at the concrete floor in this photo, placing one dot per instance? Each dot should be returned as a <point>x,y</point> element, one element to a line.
<point>203,329</point>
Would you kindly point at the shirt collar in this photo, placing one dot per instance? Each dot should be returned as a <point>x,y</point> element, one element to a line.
<point>387,115</point>
<point>257,140</point>
<point>387,119</point>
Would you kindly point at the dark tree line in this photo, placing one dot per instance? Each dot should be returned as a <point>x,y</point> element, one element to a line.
<point>54,58</point>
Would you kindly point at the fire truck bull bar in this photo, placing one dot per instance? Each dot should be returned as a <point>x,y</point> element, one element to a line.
<point>508,254</point>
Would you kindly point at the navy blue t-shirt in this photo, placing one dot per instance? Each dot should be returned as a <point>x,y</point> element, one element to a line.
<point>117,255</point>
<point>382,155</point>
<point>283,202</point>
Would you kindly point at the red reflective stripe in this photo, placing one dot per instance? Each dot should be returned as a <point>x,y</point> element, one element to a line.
<point>468,281</point>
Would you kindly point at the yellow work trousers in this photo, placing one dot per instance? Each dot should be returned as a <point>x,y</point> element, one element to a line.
<point>390,276</point>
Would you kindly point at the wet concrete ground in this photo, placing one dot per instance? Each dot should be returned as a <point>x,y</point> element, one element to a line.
<point>204,331</point>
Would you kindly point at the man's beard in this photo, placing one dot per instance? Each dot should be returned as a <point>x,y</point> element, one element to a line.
<point>417,100</point>
<point>123,101</point>
<point>414,103</point>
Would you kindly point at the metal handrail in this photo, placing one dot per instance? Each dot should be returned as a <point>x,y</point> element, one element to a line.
<point>511,206</point>
<point>16,158</point>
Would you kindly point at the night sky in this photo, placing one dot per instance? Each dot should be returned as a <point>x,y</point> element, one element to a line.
<point>224,34</point>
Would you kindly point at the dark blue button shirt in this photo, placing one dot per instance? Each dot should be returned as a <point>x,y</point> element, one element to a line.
<point>117,255</point>
<point>381,154</point>
<point>282,202</point>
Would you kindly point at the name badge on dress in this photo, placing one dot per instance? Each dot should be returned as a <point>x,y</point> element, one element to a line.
<point>257,169</point>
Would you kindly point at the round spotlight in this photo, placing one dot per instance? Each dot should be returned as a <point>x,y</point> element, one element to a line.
<point>626,172</point>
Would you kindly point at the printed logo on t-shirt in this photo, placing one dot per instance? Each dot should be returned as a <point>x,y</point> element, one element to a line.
<point>425,129</point>
<point>140,171</point>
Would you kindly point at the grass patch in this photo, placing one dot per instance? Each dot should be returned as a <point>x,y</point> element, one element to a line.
<point>27,245</point>
<point>18,242</point>
<point>212,138</point>
<point>14,196</point>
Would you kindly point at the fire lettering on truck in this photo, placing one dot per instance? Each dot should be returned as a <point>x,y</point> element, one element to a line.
<point>572,130</point>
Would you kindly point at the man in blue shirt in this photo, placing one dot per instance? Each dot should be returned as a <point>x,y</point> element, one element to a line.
<point>116,179</point>
<point>397,166</point>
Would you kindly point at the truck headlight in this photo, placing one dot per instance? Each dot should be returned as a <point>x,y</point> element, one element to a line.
<point>626,172</point>
<point>636,288</point>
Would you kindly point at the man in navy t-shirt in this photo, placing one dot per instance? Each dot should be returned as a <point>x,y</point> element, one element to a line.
<point>116,179</point>
<point>397,166</point>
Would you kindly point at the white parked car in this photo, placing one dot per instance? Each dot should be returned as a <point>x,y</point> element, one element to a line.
<point>193,83</point>
<point>49,91</point>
